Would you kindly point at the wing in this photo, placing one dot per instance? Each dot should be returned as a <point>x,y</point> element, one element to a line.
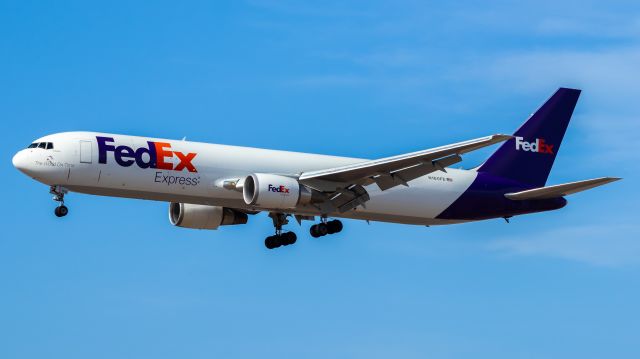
<point>345,183</point>
<point>560,190</point>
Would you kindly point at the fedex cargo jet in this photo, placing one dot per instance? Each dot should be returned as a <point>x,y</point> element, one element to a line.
<point>209,185</point>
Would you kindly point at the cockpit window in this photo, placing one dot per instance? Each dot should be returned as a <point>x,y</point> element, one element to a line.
<point>43,145</point>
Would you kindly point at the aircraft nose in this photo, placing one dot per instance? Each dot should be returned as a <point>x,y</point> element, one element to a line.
<point>20,161</point>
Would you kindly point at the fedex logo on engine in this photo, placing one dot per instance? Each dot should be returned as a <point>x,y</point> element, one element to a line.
<point>539,146</point>
<point>153,156</point>
<point>278,189</point>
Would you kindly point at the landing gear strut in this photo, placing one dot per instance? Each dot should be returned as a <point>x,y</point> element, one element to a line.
<point>323,228</point>
<point>279,239</point>
<point>58,193</point>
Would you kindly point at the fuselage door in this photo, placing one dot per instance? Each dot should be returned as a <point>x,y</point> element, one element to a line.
<point>85,151</point>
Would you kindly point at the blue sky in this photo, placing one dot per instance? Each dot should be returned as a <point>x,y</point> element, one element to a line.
<point>115,280</point>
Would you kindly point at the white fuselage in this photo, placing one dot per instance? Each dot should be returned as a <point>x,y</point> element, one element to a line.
<point>74,163</point>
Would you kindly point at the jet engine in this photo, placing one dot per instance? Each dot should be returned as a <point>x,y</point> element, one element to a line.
<point>200,216</point>
<point>275,191</point>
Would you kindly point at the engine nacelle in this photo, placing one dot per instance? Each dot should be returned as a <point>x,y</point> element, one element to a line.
<point>274,191</point>
<point>200,216</point>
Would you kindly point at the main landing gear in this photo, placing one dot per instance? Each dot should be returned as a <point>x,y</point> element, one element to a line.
<point>282,239</point>
<point>286,238</point>
<point>279,239</point>
<point>58,193</point>
<point>323,228</point>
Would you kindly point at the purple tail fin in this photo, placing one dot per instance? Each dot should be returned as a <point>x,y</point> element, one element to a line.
<point>529,156</point>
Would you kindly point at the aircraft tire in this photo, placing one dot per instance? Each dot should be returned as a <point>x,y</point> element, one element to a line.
<point>322,229</point>
<point>314,231</point>
<point>61,211</point>
<point>334,226</point>
<point>272,242</point>
<point>289,238</point>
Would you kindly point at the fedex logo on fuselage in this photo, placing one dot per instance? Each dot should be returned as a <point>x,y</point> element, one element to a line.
<point>539,146</point>
<point>278,189</point>
<point>156,155</point>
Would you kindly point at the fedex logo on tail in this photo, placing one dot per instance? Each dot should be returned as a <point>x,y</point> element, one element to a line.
<point>156,155</point>
<point>539,146</point>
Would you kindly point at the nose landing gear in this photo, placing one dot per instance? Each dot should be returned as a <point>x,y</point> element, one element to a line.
<point>58,193</point>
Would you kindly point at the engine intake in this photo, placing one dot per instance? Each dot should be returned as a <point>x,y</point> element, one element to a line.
<point>275,191</point>
<point>200,216</point>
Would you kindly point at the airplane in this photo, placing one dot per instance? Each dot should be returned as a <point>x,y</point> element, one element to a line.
<point>212,185</point>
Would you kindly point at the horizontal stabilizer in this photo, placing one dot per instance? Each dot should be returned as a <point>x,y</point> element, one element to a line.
<point>560,190</point>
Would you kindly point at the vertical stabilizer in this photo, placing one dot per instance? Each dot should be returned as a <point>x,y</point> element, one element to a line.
<point>529,156</point>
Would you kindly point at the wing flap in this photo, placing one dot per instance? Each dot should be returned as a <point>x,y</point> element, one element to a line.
<point>560,190</point>
<point>401,177</point>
